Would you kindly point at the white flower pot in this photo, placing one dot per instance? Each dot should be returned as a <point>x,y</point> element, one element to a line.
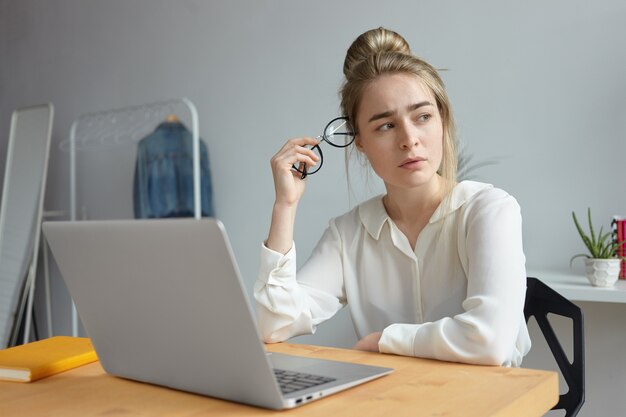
<point>602,272</point>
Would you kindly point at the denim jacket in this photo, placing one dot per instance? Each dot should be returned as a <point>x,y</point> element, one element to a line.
<point>163,183</point>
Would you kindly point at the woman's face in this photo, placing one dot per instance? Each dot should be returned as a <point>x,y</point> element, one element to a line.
<point>400,130</point>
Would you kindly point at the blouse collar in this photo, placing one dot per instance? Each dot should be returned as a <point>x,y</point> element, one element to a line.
<point>373,214</point>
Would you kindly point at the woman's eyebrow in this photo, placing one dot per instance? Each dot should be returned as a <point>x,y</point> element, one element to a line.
<point>418,105</point>
<point>381,115</point>
<point>392,112</point>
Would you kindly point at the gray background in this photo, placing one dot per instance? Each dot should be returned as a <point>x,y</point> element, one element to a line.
<point>540,85</point>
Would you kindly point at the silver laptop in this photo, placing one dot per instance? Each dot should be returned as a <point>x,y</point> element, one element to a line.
<point>164,303</point>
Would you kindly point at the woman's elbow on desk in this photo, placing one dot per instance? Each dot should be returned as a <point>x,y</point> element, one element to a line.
<point>492,350</point>
<point>489,347</point>
<point>454,341</point>
<point>491,356</point>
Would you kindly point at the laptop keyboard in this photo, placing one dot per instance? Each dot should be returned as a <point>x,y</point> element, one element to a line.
<point>290,381</point>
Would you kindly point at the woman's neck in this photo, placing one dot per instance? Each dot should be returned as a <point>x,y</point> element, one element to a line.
<point>416,205</point>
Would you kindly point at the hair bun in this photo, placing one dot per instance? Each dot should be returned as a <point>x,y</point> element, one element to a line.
<point>373,42</point>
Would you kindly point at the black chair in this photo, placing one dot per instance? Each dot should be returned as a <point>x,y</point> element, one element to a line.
<point>540,301</point>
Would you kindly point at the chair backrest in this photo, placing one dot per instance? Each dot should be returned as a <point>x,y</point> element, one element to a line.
<point>542,300</point>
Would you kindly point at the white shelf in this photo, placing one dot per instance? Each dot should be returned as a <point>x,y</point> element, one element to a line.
<point>578,288</point>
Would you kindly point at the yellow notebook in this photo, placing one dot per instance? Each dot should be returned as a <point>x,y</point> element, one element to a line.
<point>37,360</point>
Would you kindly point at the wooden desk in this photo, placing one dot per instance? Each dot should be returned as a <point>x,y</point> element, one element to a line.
<point>418,387</point>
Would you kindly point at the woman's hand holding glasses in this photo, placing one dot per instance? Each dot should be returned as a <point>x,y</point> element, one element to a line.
<point>288,183</point>
<point>302,157</point>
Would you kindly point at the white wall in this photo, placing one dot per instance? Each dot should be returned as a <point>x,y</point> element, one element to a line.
<point>539,85</point>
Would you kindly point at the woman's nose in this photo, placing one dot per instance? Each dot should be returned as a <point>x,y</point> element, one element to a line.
<point>408,136</point>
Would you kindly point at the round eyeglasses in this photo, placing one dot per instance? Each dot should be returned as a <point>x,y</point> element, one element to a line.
<point>337,133</point>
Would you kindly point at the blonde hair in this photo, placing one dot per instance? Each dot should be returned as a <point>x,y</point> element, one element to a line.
<point>383,51</point>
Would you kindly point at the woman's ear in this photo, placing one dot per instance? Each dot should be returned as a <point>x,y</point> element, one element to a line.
<point>357,142</point>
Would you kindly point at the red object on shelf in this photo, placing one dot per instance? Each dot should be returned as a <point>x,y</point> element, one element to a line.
<point>622,272</point>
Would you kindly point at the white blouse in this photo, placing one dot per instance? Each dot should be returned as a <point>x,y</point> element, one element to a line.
<point>458,297</point>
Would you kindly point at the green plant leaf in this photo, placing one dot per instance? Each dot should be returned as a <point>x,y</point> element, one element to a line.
<point>577,256</point>
<point>591,232</point>
<point>600,246</point>
<point>582,234</point>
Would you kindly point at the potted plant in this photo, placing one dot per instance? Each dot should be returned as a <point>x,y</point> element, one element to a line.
<point>602,265</point>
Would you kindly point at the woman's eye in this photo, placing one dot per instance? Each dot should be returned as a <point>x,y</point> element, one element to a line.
<point>385,127</point>
<point>424,117</point>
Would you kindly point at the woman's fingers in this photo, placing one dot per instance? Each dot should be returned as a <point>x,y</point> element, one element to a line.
<point>288,183</point>
<point>309,152</point>
<point>294,152</point>
<point>304,141</point>
<point>308,160</point>
<point>286,162</point>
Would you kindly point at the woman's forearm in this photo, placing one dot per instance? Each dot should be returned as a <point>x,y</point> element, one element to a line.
<point>280,237</point>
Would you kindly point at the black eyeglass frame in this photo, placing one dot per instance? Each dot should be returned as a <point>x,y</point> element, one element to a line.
<point>303,171</point>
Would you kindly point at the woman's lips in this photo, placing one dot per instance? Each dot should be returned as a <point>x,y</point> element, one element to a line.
<point>412,163</point>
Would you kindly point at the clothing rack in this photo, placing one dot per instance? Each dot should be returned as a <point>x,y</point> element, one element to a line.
<point>92,131</point>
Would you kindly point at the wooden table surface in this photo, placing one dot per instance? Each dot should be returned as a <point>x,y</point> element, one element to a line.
<point>417,387</point>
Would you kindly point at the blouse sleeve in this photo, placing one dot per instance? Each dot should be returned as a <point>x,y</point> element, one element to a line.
<point>486,331</point>
<point>287,306</point>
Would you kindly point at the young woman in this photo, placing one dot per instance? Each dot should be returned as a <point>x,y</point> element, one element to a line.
<point>433,268</point>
